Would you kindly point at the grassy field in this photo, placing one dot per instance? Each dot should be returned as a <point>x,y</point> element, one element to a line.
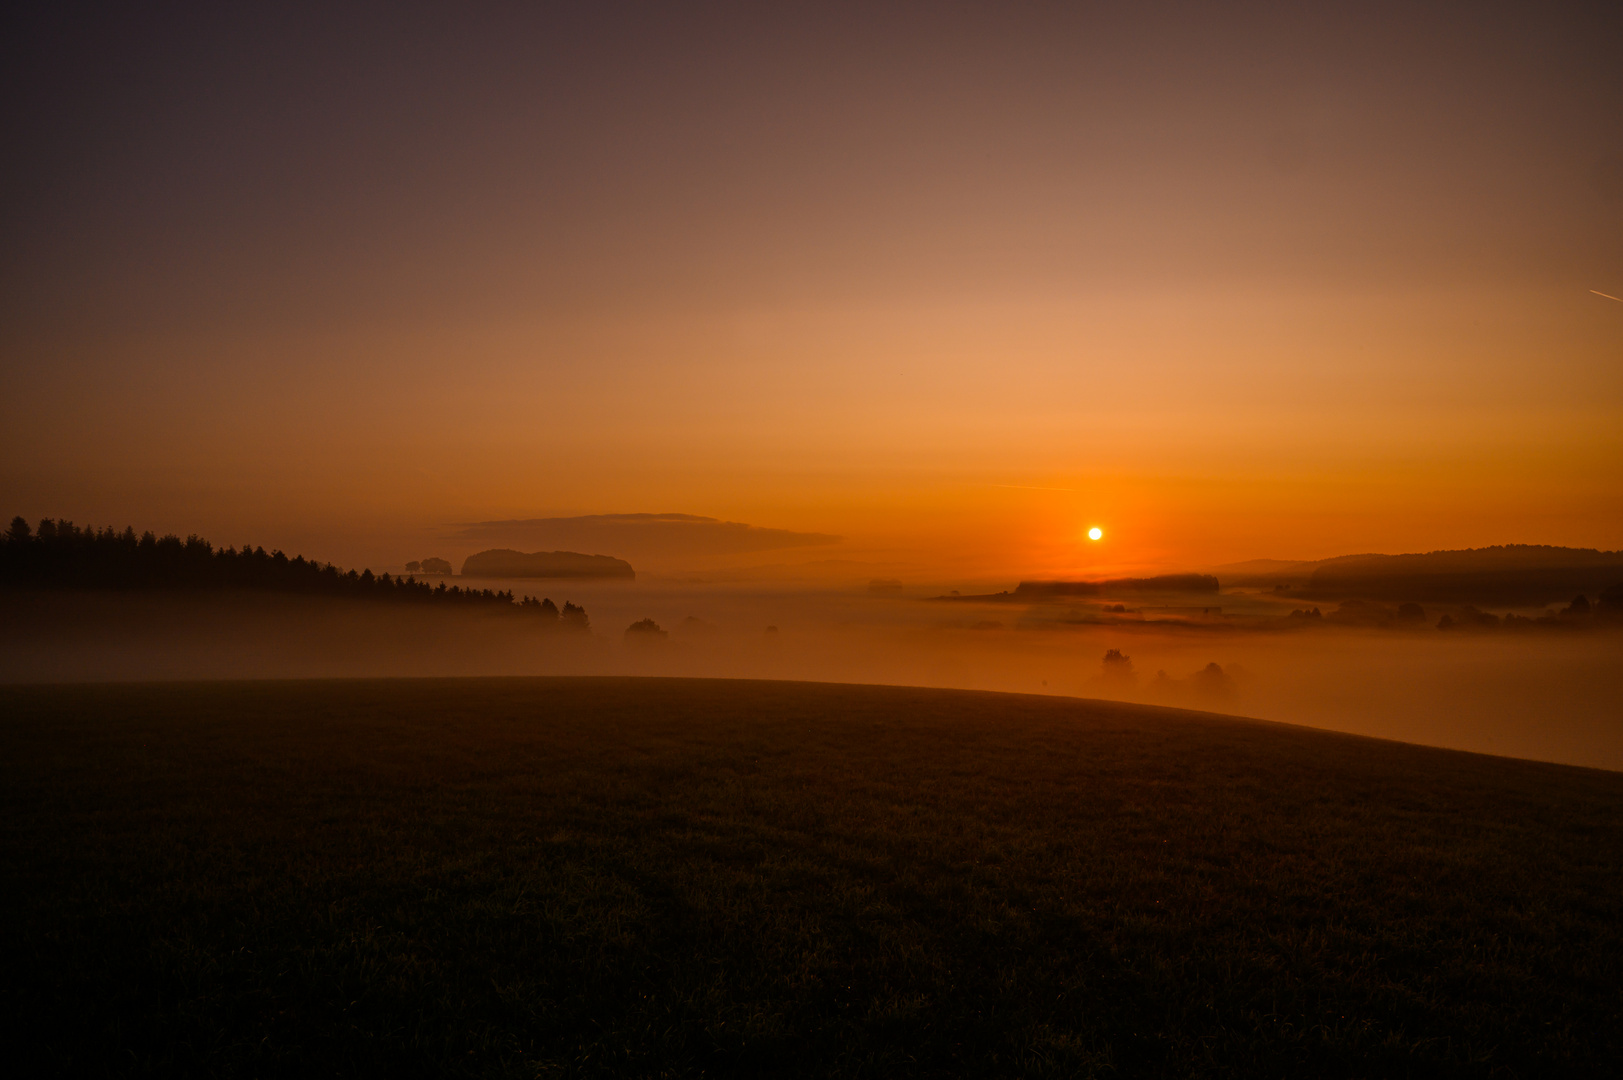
<point>538,877</point>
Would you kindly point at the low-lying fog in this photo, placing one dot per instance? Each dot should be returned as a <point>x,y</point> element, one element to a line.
<point>1554,694</point>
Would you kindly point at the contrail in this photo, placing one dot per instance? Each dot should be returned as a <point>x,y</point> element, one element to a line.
<point>1608,296</point>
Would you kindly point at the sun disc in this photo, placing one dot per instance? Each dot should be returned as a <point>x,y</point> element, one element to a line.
<point>1095,532</point>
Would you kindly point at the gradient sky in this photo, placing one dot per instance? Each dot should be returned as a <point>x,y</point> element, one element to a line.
<point>952,282</point>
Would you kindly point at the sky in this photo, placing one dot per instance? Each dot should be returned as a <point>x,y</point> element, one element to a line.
<point>949,283</point>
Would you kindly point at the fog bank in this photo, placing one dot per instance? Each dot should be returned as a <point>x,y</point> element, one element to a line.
<point>1554,696</point>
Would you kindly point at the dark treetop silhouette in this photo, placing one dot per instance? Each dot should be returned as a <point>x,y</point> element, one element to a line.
<point>60,555</point>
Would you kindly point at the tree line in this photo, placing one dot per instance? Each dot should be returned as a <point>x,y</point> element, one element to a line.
<point>61,555</point>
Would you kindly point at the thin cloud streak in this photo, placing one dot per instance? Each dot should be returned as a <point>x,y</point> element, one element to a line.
<point>1028,487</point>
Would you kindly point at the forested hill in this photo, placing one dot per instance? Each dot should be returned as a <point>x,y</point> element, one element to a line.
<point>61,555</point>
<point>1511,574</point>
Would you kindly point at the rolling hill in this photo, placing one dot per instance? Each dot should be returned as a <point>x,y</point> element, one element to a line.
<point>526,877</point>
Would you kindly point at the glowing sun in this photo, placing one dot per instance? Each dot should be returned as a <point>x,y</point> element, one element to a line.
<point>1095,532</point>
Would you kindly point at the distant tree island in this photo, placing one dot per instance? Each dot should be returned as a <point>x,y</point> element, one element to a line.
<point>505,563</point>
<point>429,566</point>
<point>61,555</point>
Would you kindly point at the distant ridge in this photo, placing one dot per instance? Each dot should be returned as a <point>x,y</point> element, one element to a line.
<point>1502,574</point>
<point>1161,583</point>
<point>505,563</point>
<point>1041,590</point>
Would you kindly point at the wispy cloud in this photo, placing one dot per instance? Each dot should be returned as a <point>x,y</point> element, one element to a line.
<point>639,536</point>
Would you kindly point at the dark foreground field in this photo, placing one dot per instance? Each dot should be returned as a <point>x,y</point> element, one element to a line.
<point>657,877</point>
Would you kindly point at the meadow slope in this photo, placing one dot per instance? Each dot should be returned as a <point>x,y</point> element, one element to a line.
<point>659,877</point>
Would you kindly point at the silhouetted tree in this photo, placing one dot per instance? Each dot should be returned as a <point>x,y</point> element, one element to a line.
<point>574,618</point>
<point>1212,681</point>
<point>1470,615</point>
<point>1116,674</point>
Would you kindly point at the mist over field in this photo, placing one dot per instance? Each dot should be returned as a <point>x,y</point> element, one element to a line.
<point>708,540</point>
<point>1555,696</point>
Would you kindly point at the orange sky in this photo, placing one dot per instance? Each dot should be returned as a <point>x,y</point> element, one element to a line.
<point>952,283</point>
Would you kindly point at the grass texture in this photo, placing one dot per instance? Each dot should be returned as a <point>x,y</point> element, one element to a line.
<point>650,877</point>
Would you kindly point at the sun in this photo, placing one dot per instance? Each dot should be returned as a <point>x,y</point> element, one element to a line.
<point>1095,533</point>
